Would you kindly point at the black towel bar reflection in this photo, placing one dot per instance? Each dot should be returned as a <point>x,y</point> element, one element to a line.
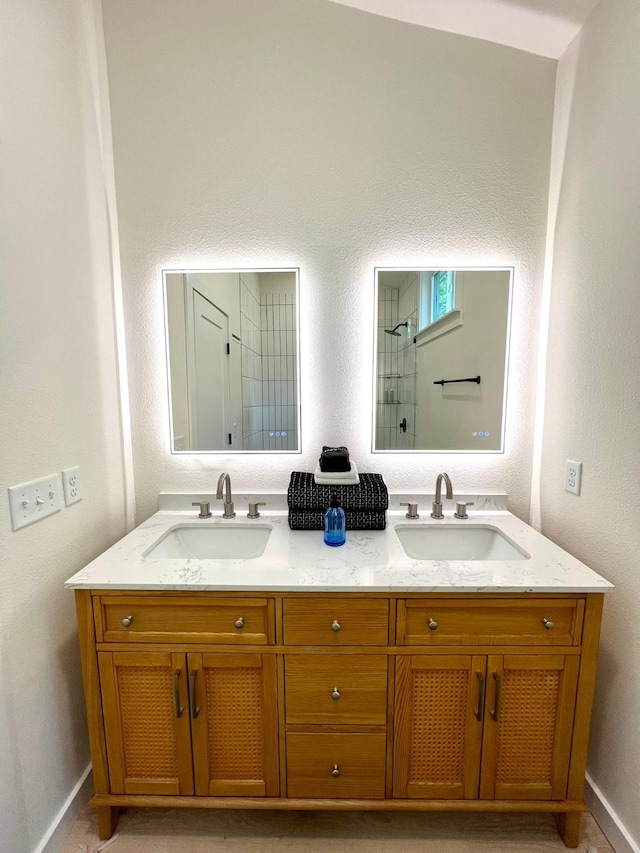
<point>447,381</point>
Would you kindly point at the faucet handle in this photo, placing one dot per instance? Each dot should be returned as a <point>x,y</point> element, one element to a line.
<point>253,509</point>
<point>412,510</point>
<point>205,511</point>
<point>461,509</point>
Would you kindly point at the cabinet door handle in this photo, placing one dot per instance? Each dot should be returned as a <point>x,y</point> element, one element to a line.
<point>495,714</point>
<point>193,699</point>
<point>336,771</point>
<point>433,625</point>
<point>239,623</point>
<point>176,693</point>
<point>335,625</point>
<point>126,622</point>
<point>481,694</point>
<point>548,624</point>
<point>335,694</point>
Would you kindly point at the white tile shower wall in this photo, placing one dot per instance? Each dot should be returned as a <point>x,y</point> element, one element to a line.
<point>396,381</point>
<point>252,438</point>
<point>279,376</point>
<point>387,378</point>
<point>408,312</point>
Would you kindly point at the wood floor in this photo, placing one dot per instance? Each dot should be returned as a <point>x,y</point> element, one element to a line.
<point>205,831</point>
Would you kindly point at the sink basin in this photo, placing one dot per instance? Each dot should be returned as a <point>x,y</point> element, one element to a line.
<point>211,542</point>
<point>459,542</point>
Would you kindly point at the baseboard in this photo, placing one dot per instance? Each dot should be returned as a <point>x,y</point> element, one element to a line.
<point>60,827</point>
<point>616,832</point>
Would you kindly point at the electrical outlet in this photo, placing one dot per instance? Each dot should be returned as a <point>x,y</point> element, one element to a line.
<point>572,476</point>
<point>32,501</point>
<point>72,485</point>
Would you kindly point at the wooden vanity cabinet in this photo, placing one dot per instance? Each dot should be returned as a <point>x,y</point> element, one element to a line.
<point>339,700</point>
<point>190,723</point>
<point>493,728</point>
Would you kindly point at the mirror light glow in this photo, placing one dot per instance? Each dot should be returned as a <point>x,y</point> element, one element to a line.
<point>441,343</point>
<point>232,360</point>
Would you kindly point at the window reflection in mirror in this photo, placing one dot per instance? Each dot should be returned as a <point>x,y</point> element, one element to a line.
<point>441,359</point>
<point>232,340</point>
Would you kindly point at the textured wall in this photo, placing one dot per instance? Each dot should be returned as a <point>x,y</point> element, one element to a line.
<point>303,133</point>
<point>58,400</point>
<point>592,410</point>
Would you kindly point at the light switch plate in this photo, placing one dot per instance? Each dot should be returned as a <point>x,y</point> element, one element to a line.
<point>34,500</point>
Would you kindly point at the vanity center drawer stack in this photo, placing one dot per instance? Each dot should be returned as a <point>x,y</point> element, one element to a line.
<point>336,688</point>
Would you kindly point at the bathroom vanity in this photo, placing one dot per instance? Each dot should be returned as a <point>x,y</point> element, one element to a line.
<point>352,678</point>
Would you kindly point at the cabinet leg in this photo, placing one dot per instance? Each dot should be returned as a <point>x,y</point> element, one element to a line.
<point>107,820</point>
<point>569,827</point>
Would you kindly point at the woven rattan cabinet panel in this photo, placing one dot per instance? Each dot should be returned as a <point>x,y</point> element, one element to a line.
<point>520,723</point>
<point>438,730</point>
<point>234,724</point>
<point>529,714</point>
<point>144,700</point>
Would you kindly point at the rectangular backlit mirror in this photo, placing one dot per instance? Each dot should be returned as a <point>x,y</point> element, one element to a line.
<point>441,352</point>
<point>233,350</point>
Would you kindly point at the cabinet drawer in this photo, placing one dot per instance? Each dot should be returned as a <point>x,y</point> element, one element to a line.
<point>336,622</point>
<point>336,689</point>
<point>184,620</point>
<point>358,760</point>
<point>535,622</point>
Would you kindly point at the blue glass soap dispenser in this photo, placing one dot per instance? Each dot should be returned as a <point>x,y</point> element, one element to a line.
<point>335,523</point>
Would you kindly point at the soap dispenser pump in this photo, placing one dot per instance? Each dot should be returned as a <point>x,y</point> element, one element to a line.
<point>335,523</point>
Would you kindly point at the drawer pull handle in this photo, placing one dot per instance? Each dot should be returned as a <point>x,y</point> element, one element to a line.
<point>239,623</point>
<point>335,625</point>
<point>193,699</point>
<point>335,694</point>
<point>176,693</point>
<point>548,624</point>
<point>336,771</point>
<point>495,714</point>
<point>126,622</point>
<point>433,625</point>
<point>481,693</point>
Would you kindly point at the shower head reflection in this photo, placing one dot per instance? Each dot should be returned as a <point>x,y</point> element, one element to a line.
<point>394,332</point>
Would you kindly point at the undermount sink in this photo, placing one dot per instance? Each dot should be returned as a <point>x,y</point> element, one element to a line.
<point>457,542</point>
<point>211,542</point>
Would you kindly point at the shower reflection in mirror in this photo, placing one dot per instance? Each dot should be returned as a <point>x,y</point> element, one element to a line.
<point>232,343</point>
<point>435,325</point>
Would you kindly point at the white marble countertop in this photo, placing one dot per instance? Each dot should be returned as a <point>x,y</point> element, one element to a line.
<point>296,560</point>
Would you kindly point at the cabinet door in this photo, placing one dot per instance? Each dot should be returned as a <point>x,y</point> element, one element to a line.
<point>145,705</point>
<point>234,720</point>
<point>438,726</point>
<point>528,726</point>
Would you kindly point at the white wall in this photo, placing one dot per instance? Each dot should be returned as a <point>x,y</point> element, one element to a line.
<point>58,399</point>
<point>451,414</point>
<point>592,410</point>
<point>301,133</point>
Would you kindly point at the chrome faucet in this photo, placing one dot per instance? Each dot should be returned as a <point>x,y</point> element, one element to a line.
<point>225,480</point>
<point>436,512</point>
